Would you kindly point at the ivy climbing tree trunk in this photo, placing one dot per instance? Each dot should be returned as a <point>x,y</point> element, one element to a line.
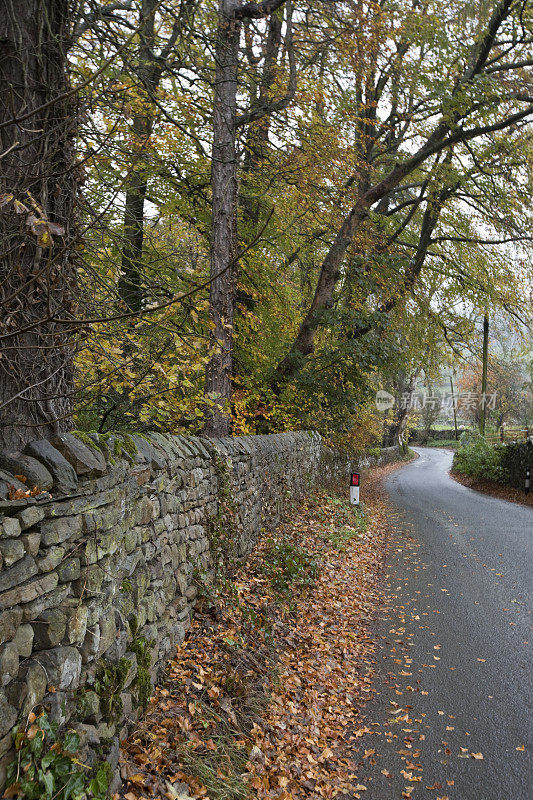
<point>223,254</point>
<point>223,224</point>
<point>37,195</point>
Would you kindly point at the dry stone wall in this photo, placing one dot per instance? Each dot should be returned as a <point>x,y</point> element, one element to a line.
<point>336,465</point>
<point>100,565</point>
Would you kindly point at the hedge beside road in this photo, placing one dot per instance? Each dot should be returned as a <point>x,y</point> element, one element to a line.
<point>503,463</point>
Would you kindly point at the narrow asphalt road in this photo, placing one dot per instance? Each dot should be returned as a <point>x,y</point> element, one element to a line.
<point>451,716</point>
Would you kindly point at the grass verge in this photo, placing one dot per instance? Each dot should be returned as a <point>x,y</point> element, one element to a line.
<point>449,444</point>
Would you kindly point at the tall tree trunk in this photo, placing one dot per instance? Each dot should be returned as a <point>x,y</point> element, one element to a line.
<point>258,132</point>
<point>37,194</point>
<point>223,224</point>
<point>405,389</point>
<point>223,260</point>
<point>130,283</point>
<point>149,70</point>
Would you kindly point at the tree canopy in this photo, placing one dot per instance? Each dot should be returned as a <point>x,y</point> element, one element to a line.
<point>269,211</point>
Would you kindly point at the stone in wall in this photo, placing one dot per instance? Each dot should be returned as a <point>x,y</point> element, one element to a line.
<point>99,572</point>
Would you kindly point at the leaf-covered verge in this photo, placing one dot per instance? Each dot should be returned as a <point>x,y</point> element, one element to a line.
<point>496,469</point>
<point>264,697</point>
<point>494,489</point>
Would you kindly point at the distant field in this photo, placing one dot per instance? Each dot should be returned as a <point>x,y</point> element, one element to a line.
<point>441,443</point>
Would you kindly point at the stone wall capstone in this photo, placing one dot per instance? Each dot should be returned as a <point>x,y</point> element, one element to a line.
<point>99,570</point>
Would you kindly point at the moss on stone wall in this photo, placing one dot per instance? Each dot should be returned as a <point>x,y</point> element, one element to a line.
<point>87,440</point>
<point>109,682</point>
<point>222,528</point>
<point>143,682</point>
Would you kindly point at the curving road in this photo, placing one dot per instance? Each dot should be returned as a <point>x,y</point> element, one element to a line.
<point>454,656</point>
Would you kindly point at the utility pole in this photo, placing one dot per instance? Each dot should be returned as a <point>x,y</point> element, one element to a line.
<point>454,409</point>
<point>484,374</point>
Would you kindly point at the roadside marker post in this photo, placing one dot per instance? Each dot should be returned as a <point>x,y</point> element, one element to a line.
<point>527,480</point>
<point>354,488</point>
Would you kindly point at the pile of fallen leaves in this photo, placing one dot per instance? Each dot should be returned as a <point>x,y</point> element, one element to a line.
<point>18,494</point>
<point>263,698</point>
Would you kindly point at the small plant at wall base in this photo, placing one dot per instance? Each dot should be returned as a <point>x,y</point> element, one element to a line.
<point>48,768</point>
<point>288,565</point>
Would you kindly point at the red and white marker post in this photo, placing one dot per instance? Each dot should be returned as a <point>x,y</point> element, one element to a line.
<point>354,488</point>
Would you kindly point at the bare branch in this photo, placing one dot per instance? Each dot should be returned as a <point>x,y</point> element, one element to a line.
<point>99,13</point>
<point>271,108</point>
